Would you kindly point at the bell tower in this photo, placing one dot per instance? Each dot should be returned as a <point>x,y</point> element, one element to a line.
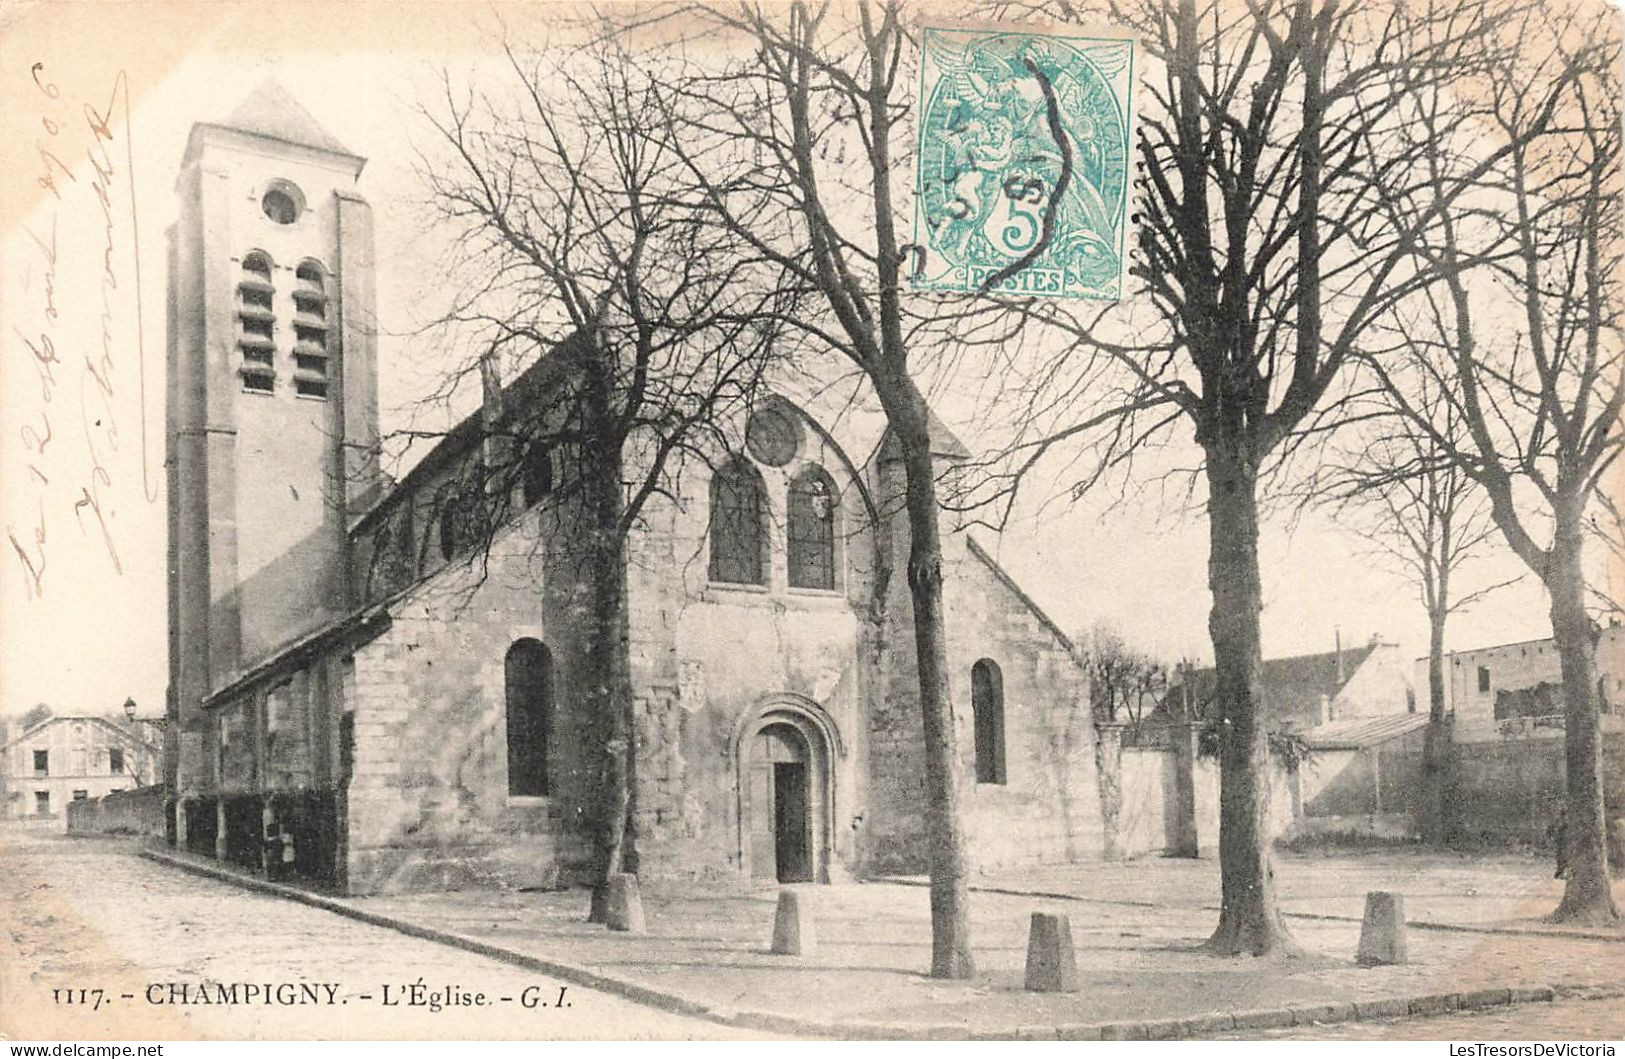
<point>272,401</point>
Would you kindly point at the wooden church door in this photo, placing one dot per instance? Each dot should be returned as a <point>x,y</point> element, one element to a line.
<point>780,802</point>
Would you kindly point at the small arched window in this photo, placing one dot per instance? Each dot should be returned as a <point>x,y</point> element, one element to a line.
<point>811,530</point>
<point>448,526</point>
<point>737,502</point>
<point>464,514</point>
<point>536,473</point>
<point>255,319</point>
<point>987,710</point>
<point>310,374</point>
<point>528,677</point>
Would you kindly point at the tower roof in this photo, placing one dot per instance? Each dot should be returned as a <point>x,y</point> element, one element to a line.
<point>269,111</point>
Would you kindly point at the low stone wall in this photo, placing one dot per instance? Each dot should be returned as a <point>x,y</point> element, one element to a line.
<point>1154,818</point>
<point>1509,792</point>
<point>133,812</point>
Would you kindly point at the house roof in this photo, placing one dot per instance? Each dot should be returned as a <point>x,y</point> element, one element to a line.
<point>1357,733</point>
<point>1609,632</point>
<point>104,722</point>
<point>1293,686</point>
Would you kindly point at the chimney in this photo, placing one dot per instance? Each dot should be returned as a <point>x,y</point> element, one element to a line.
<point>492,451</point>
<point>1341,678</point>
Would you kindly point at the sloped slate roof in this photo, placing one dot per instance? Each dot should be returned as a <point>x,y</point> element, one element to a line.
<point>1357,733</point>
<point>1293,686</point>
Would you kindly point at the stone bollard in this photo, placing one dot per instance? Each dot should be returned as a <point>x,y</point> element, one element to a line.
<point>1382,931</point>
<point>1052,967</point>
<point>793,933</point>
<point>625,911</point>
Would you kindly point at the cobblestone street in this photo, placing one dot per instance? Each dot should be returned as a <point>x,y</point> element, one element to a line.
<point>87,914</point>
<point>1564,1020</point>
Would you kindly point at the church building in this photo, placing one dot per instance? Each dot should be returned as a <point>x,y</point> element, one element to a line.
<point>372,692</point>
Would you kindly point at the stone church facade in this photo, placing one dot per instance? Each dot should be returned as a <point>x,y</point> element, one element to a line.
<point>370,697</point>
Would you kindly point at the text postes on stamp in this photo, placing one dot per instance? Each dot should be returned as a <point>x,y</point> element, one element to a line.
<point>1023,170</point>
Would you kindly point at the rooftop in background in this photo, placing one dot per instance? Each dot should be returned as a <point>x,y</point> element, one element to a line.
<point>1357,733</point>
<point>1295,686</point>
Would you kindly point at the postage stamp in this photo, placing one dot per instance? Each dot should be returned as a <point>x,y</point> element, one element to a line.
<point>1023,176</point>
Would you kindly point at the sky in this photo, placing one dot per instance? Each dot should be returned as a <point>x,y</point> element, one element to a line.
<point>85,197</point>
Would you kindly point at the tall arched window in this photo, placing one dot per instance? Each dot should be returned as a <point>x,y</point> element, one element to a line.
<point>737,500</point>
<point>811,530</point>
<point>310,331</point>
<point>447,524</point>
<point>528,672</point>
<point>987,709</point>
<point>255,317</point>
<point>536,473</point>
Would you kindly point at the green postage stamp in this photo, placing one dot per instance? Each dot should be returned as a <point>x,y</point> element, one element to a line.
<point>1023,175</point>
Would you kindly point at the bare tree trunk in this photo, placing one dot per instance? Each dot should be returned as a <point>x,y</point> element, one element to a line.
<point>1587,897</point>
<point>608,654</point>
<point>950,896</point>
<point>1436,740</point>
<point>1249,918</point>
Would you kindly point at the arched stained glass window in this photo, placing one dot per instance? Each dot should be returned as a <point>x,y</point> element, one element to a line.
<point>536,473</point>
<point>737,517</point>
<point>811,530</point>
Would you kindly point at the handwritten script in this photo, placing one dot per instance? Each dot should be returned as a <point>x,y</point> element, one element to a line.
<point>70,432</point>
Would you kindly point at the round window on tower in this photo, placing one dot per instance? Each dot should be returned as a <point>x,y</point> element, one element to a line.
<point>283,203</point>
<point>772,435</point>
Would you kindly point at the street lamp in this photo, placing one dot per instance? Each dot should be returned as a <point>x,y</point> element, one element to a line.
<point>129,709</point>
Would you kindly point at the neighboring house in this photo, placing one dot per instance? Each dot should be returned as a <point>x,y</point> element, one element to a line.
<point>67,758</point>
<point>346,683</point>
<point>1303,691</point>
<point>1515,690</point>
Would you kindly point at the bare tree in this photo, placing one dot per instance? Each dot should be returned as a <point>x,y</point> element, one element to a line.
<point>1271,137</point>
<point>1122,679</point>
<point>1540,389</point>
<point>1423,516</point>
<point>581,243</point>
<point>798,146</point>
<point>37,714</point>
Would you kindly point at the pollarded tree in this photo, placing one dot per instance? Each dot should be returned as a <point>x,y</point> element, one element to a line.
<point>581,240</point>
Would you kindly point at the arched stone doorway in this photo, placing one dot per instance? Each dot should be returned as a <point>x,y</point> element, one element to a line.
<point>785,749</point>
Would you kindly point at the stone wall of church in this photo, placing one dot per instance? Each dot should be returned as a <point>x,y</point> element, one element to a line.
<point>1048,807</point>
<point>708,659</point>
<point>428,797</point>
